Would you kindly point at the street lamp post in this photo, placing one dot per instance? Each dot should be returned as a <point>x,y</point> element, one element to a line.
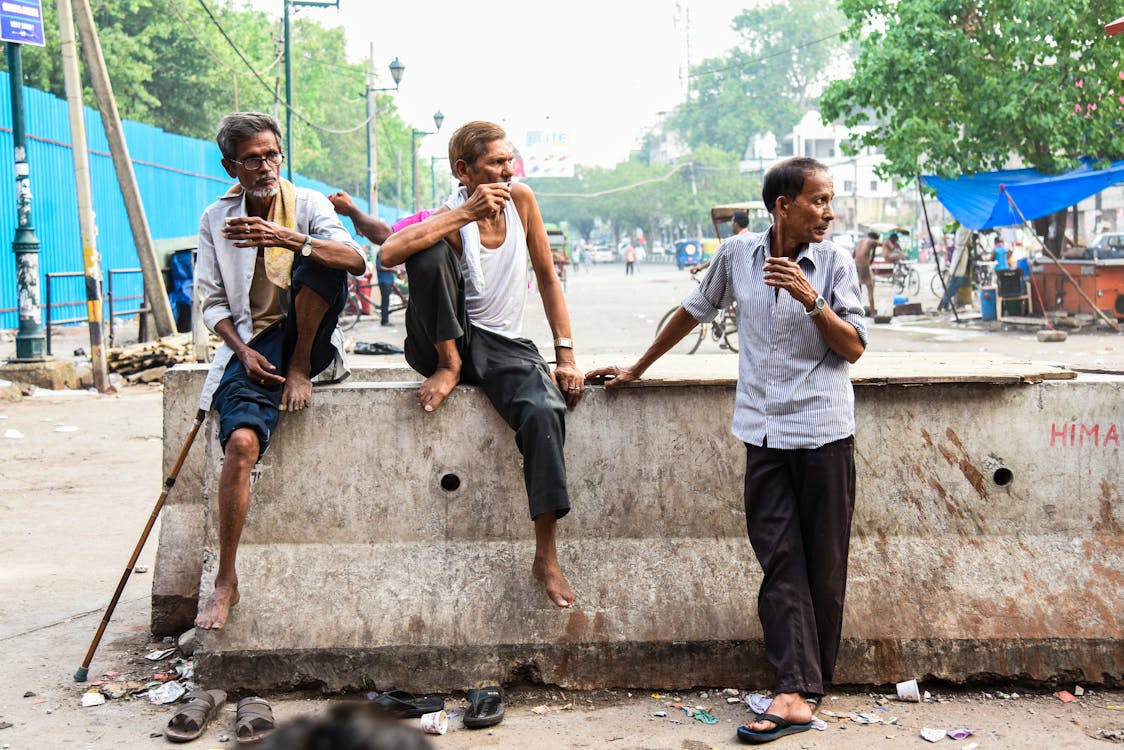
<point>396,71</point>
<point>30,338</point>
<point>438,118</point>
<point>289,78</point>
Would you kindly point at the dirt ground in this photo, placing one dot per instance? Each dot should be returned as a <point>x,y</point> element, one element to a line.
<point>78,485</point>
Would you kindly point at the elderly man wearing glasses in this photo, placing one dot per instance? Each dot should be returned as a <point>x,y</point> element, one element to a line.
<point>271,277</point>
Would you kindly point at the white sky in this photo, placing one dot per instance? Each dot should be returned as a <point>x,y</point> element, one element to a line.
<point>601,69</point>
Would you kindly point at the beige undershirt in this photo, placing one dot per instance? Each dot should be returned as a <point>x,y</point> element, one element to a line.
<point>265,298</point>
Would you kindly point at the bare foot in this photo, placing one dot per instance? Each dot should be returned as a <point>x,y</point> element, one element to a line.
<point>550,575</point>
<point>437,386</point>
<point>217,608</point>
<point>297,393</point>
<point>789,706</point>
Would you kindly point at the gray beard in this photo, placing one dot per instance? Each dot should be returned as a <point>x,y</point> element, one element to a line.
<point>263,192</point>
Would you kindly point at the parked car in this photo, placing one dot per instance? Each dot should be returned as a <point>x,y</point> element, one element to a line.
<point>602,254</point>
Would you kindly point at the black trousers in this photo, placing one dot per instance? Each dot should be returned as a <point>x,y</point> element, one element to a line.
<point>241,402</point>
<point>511,372</point>
<point>798,509</point>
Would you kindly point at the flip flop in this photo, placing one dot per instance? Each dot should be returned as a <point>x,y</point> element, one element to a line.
<point>190,720</point>
<point>485,707</point>
<point>407,705</point>
<point>783,728</point>
<point>253,720</point>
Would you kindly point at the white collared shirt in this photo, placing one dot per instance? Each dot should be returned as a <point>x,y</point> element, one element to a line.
<point>223,274</point>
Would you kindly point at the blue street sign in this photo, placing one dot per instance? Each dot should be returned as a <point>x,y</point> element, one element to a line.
<point>21,21</point>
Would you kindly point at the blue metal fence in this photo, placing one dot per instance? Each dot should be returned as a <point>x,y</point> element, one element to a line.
<point>178,177</point>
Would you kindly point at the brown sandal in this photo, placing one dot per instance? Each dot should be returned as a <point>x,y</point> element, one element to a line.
<point>253,720</point>
<point>190,721</point>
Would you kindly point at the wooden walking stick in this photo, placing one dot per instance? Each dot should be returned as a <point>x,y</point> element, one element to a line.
<point>169,482</point>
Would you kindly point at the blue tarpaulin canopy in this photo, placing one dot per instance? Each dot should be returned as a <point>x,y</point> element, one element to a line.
<point>978,201</point>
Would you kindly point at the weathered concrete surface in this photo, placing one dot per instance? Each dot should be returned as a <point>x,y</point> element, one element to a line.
<point>362,571</point>
<point>55,374</point>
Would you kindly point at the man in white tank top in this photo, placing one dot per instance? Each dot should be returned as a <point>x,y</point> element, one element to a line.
<point>467,265</point>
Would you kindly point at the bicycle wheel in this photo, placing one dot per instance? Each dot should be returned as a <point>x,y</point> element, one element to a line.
<point>689,343</point>
<point>935,284</point>
<point>913,282</point>
<point>351,311</point>
<point>899,281</point>
<point>731,337</point>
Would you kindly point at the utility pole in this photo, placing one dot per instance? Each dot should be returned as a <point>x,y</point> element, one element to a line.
<point>155,291</point>
<point>289,76</point>
<point>91,259</point>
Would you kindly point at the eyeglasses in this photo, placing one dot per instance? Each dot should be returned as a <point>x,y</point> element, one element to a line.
<point>255,163</point>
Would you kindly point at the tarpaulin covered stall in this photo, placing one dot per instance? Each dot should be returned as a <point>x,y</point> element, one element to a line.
<point>977,201</point>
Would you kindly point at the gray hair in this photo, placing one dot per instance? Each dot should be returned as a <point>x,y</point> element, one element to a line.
<point>240,126</point>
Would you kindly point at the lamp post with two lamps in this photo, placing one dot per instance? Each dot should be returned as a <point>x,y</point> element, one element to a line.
<point>396,71</point>
<point>438,118</point>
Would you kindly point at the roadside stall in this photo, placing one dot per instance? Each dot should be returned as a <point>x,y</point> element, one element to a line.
<point>1018,196</point>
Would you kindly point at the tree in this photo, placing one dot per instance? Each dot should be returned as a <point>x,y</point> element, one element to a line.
<point>784,59</point>
<point>962,86</point>
<point>172,67</point>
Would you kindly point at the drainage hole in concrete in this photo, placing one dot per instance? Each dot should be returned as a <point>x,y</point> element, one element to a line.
<point>1002,476</point>
<point>450,482</point>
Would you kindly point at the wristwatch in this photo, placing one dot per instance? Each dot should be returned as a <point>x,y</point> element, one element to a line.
<point>306,248</point>
<point>563,343</point>
<point>817,307</point>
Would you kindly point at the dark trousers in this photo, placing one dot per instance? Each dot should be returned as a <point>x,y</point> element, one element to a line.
<point>798,509</point>
<point>510,371</point>
<point>241,402</point>
<point>386,288</point>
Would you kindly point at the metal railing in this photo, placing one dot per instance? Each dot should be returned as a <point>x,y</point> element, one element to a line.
<point>111,303</point>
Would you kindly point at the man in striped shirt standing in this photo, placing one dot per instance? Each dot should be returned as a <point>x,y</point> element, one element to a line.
<point>800,323</point>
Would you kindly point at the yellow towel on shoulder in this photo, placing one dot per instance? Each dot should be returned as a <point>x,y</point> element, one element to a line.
<point>283,211</point>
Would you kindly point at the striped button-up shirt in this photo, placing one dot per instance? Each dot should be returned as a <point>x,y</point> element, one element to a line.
<point>792,388</point>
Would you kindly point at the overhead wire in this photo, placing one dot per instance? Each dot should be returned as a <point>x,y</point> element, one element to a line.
<point>619,189</point>
<point>262,81</point>
<point>214,55</point>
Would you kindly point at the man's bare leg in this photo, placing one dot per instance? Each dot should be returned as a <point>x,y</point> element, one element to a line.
<point>234,500</point>
<point>309,308</point>
<point>448,373</point>
<point>546,568</point>
<point>789,706</point>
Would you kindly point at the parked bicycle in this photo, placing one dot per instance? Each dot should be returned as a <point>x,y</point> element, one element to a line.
<point>723,330</point>
<point>359,293</point>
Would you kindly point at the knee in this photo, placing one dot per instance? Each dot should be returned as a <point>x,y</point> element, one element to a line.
<point>242,447</point>
<point>428,262</point>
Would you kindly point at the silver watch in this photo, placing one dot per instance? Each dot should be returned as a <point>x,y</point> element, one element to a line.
<point>817,307</point>
<point>306,248</point>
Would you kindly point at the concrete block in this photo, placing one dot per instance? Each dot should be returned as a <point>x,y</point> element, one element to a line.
<point>54,374</point>
<point>1051,335</point>
<point>987,541</point>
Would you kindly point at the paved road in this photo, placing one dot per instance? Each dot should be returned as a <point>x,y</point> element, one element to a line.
<point>73,501</point>
<point>617,314</point>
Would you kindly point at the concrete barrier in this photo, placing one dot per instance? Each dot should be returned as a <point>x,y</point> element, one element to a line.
<point>387,548</point>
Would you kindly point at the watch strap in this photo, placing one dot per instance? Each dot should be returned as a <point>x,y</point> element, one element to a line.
<point>563,343</point>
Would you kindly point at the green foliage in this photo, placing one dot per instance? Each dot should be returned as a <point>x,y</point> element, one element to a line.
<point>785,57</point>
<point>960,86</point>
<point>171,67</point>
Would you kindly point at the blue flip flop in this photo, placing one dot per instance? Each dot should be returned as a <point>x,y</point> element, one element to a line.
<point>783,728</point>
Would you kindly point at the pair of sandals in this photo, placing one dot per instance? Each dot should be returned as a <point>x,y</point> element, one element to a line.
<point>253,719</point>
<point>485,706</point>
